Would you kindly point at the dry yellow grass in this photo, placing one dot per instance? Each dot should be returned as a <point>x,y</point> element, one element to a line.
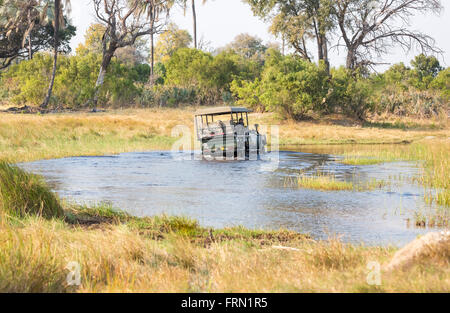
<point>31,137</point>
<point>34,257</point>
<point>337,130</point>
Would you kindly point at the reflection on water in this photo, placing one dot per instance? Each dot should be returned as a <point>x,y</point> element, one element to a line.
<point>221,194</point>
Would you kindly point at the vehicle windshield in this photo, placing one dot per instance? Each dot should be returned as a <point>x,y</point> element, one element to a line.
<point>228,119</point>
<point>216,124</point>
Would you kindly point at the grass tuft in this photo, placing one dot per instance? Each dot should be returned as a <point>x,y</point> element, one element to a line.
<point>323,182</point>
<point>23,194</point>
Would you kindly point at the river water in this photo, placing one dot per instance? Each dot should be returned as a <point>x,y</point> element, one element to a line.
<point>255,194</point>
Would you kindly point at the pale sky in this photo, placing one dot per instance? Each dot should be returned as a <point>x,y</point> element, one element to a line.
<point>219,21</point>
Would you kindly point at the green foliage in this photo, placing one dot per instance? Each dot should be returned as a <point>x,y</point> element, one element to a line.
<point>425,70</point>
<point>160,73</point>
<point>170,41</point>
<point>350,94</point>
<point>189,68</point>
<point>248,46</point>
<point>23,194</point>
<point>92,40</point>
<point>248,93</point>
<point>442,84</point>
<point>421,91</point>
<point>209,76</point>
<point>288,85</point>
<point>26,82</point>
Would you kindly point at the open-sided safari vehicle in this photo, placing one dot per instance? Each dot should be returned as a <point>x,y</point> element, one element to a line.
<point>224,133</point>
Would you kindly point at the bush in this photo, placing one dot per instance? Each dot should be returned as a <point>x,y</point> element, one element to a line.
<point>23,194</point>
<point>161,96</point>
<point>350,94</point>
<point>442,84</point>
<point>421,92</point>
<point>411,102</point>
<point>289,85</point>
<point>27,82</point>
<point>209,76</point>
<point>248,94</point>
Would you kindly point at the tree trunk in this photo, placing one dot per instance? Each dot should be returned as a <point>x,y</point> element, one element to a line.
<point>30,51</point>
<point>325,54</point>
<point>194,16</point>
<point>319,48</point>
<point>55,54</point>
<point>101,75</point>
<point>350,63</point>
<point>152,46</point>
<point>319,40</point>
<point>152,59</point>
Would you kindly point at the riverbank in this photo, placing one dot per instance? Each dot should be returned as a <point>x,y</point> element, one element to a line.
<point>30,137</point>
<point>118,253</point>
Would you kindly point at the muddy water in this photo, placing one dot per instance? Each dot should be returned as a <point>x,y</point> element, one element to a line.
<point>248,193</point>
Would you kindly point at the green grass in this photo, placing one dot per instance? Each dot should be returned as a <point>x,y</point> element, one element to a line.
<point>323,182</point>
<point>328,182</point>
<point>361,161</point>
<point>23,194</point>
<point>158,227</point>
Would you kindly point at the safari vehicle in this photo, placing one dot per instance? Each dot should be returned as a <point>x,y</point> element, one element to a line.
<point>224,133</point>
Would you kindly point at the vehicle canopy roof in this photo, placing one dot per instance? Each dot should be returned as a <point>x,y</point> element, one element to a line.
<point>221,111</point>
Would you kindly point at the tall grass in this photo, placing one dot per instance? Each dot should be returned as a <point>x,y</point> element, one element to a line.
<point>323,182</point>
<point>23,194</point>
<point>32,137</point>
<point>328,182</point>
<point>432,156</point>
<point>118,258</point>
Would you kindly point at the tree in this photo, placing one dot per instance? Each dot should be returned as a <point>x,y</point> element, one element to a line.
<point>248,46</point>
<point>189,68</point>
<point>298,20</point>
<point>425,70</point>
<point>370,28</point>
<point>170,41</point>
<point>18,19</point>
<point>40,38</point>
<point>124,23</point>
<point>58,20</point>
<point>130,55</point>
<point>92,40</point>
<point>184,3</point>
<point>442,83</point>
<point>154,9</point>
<point>426,66</point>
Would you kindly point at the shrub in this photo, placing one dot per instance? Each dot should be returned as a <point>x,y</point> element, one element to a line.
<point>209,76</point>
<point>442,84</point>
<point>289,85</point>
<point>248,93</point>
<point>27,82</point>
<point>351,94</point>
<point>411,102</point>
<point>163,96</point>
<point>24,194</point>
<point>420,92</point>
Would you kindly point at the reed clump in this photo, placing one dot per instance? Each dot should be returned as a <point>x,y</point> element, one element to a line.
<point>23,194</point>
